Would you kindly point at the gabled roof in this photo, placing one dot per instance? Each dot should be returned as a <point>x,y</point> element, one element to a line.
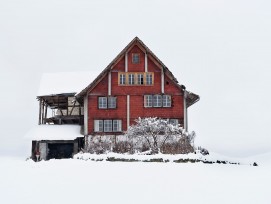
<point>122,53</point>
<point>193,97</point>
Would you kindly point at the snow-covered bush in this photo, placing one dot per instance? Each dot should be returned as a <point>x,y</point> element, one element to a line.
<point>148,135</point>
<point>203,151</point>
<point>98,144</point>
<point>160,136</point>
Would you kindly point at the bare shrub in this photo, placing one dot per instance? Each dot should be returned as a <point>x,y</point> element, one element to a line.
<point>98,144</point>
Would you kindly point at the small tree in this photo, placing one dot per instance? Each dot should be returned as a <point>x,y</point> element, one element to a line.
<point>156,132</point>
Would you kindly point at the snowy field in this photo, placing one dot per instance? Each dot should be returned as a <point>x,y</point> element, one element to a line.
<point>77,181</point>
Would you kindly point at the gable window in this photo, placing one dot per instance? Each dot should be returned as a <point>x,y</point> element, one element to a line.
<point>107,125</point>
<point>140,79</point>
<point>166,101</point>
<point>102,102</point>
<point>149,79</point>
<point>157,101</point>
<point>131,79</point>
<point>135,78</point>
<point>148,101</point>
<point>135,58</point>
<point>112,102</point>
<point>117,126</point>
<point>122,79</point>
<point>98,125</point>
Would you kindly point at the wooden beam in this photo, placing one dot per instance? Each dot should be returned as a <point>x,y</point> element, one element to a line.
<point>45,116</point>
<point>40,112</point>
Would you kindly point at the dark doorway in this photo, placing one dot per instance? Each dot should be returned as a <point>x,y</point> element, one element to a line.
<point>60,150</point>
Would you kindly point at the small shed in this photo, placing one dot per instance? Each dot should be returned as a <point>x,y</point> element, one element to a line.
<point>55,141</point>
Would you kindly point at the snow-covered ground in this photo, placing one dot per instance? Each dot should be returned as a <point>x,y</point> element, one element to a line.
<point>78,181</point>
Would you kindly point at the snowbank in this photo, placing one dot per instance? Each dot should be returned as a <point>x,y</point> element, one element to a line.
<point>72,181</point>
<point>178,158</point>
<point>54,132</point>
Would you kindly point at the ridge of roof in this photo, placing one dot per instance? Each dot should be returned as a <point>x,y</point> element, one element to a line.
<point>108,67</point>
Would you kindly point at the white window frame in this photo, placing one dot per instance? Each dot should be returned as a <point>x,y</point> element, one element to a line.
<point>147,101</point>
<point>140,78</point>
<point>122,79</point>
<point>98,125</point>
<point>102,102</point>
<point>107,125</point>
<point>117,126</point>
<point>157,100</point>
<point>135,58</point>
<point>112,102</point>
<point>149,79</point>
<point>131,79</point>
<point>166,101</point>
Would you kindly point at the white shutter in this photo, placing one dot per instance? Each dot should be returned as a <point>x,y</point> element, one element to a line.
<point>119,125</point>
<point>96,125</point>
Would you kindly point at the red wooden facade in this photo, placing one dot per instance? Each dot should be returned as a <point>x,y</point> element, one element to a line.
<point>130,97</point>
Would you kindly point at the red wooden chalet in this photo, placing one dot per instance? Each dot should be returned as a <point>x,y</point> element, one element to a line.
<point>135,84</point>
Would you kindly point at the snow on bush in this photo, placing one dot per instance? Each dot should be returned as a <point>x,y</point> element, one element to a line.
<point>150,135</point>
<point>160,136</point>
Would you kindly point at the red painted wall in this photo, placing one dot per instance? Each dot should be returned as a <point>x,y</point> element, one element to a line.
<point>136,93</point>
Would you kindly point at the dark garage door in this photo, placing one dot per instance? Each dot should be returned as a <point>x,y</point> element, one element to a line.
<point>60,150</point>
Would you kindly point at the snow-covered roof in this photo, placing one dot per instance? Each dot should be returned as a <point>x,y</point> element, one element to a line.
<point>65,82</point>
<point>54,132</point>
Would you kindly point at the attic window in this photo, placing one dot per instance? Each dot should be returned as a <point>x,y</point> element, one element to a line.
<point>135,58</point>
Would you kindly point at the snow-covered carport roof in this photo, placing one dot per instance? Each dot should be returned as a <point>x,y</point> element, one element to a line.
<point>54,132</point>
<point>56,87</point>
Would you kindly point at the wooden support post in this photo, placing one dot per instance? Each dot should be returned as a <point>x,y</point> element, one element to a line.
<point>72,107</point>
<point>45,116</point>
<point>40,112</point>
<point>80,115</point>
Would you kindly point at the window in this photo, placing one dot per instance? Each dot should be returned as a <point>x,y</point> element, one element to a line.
<point>102,102</point>
<point>122,79</point>
<point>107,102</point>
<point>140,79</point>
<point>98,125</point>
<point>107,125</point>
<point>136,78</point>
<point>174,121</point>
<point>135,58</point>
<point>112,102</point>
<point>166,101</point>
<point>117,126</point>
<point>149,78</point>
<point>157,101</point>
<point>148,101</point>
<point>131,79</point>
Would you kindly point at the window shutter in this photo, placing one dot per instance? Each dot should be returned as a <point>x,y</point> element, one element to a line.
<point>96,125</point>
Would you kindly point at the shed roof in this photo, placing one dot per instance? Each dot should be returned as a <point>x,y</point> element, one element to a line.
<point>54,132</point>
<point>65,82</point>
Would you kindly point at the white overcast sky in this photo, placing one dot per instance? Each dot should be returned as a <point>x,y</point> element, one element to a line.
<point>220,50</point>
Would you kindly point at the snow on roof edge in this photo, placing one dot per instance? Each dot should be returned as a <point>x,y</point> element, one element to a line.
<point>54,132</point>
